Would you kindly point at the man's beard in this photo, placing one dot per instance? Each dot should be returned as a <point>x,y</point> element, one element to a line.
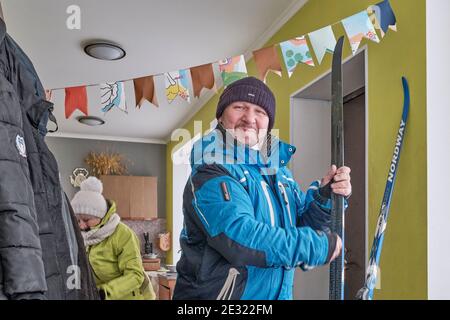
<point>246,135</point>
<point>253,137</point>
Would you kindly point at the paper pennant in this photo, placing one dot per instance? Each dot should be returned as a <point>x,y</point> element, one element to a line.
<point>232,69</point>
<point>144,89</point>
<point>202,77</point>
<point>266,60</point>
<point>177,84</point>
<point>113,95</point>
<point>358,27</point>
<point>76,98</point>
<point>296,51</point>
<point>322,41</point>
<point>383,17</point>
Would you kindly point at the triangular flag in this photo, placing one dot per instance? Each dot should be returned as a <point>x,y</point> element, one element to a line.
<point>358,27</point>
<point>266,59</point>
<point>76,98</point>
<point>202,77</point>
<point>296,51</point>
<point>177,84</point>
<point>113,95</point>
<point>322,41</point>
<point>144,89</point>
<point>383,17</point>
<point>232,69</point>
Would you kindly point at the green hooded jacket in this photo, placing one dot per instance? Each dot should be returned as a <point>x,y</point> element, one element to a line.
<point>117,264</point>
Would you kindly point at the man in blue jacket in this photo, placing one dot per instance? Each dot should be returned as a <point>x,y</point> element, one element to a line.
<point>247,224</point>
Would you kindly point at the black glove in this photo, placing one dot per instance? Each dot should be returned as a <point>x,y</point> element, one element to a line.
<point>325,191</point>
<point>332,241</point>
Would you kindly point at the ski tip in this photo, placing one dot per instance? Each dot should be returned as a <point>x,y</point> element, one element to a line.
<point>337,56</point>
<point>405,83</point>
<point>406,97</point>
<point>339,44</point>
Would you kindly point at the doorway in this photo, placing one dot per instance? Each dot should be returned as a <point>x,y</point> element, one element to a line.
<point>311,134</point>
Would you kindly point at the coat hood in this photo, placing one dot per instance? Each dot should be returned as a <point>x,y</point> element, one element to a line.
<point>111,210</point>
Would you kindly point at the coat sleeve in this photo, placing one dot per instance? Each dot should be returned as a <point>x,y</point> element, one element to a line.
<point>21,262</point>
<point>231,227</point>
<point>130,266</point>
<point>313,209</point>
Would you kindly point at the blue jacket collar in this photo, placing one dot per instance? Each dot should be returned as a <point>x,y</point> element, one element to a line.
<point>221,148</point>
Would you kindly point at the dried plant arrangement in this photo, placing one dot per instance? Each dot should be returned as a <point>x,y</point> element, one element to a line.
<point>106,163</point>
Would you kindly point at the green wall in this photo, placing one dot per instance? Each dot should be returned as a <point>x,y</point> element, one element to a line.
<point>404,256</point>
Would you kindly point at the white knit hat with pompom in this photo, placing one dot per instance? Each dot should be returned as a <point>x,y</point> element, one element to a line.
<point>89,199</point>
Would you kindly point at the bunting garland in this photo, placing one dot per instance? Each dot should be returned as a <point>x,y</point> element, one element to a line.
<point>144,89</point>
<point>76,98</point>
<point>232,69</point>
<point>382,16</point>
<point>266,59</point>
<point>177,85</point>
<point>202,77</point>
<point>323,41</point>
<point>113,95</point>
<point>358,27</point>
<point>295,51</point>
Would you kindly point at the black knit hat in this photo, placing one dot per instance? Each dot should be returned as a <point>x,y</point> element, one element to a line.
<point>251,90</point>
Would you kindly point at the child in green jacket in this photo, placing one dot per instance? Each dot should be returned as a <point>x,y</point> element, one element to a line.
<point>112,247</point>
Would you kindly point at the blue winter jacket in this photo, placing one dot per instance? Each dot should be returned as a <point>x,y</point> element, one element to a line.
<point>247,224</point>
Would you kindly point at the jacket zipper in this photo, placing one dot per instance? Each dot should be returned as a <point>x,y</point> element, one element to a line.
<point>276,195</point>
<point>286,201</point>
<point>266,193</point>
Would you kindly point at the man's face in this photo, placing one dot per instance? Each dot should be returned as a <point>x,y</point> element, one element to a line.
<point>86,222</point>
<point>247,122</point>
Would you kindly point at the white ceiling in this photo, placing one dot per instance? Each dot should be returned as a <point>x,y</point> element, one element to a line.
<point>158,36</point>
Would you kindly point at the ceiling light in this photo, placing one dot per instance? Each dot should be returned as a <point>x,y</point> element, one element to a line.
<point>104,51</point>
<point>91,121</point>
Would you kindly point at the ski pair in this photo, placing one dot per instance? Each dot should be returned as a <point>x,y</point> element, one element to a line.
<point>337,277</point>
<point>366,292</point>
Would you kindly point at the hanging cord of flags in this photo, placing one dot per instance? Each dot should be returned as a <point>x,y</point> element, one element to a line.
<point>361,25</point>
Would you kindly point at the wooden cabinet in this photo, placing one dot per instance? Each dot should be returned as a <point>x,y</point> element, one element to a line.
<point>135,196</point>
<point>166,287</point>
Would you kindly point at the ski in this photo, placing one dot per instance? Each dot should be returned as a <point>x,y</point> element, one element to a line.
<point>366,292</point>
<point>337,158</point>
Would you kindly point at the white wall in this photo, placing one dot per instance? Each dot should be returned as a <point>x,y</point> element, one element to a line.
<point>438,134</point>
<point>181,172</point>
<point>310,133</point>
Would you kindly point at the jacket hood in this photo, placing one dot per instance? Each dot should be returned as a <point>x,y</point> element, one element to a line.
<point>109,213</point>
<point>20,71</point>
